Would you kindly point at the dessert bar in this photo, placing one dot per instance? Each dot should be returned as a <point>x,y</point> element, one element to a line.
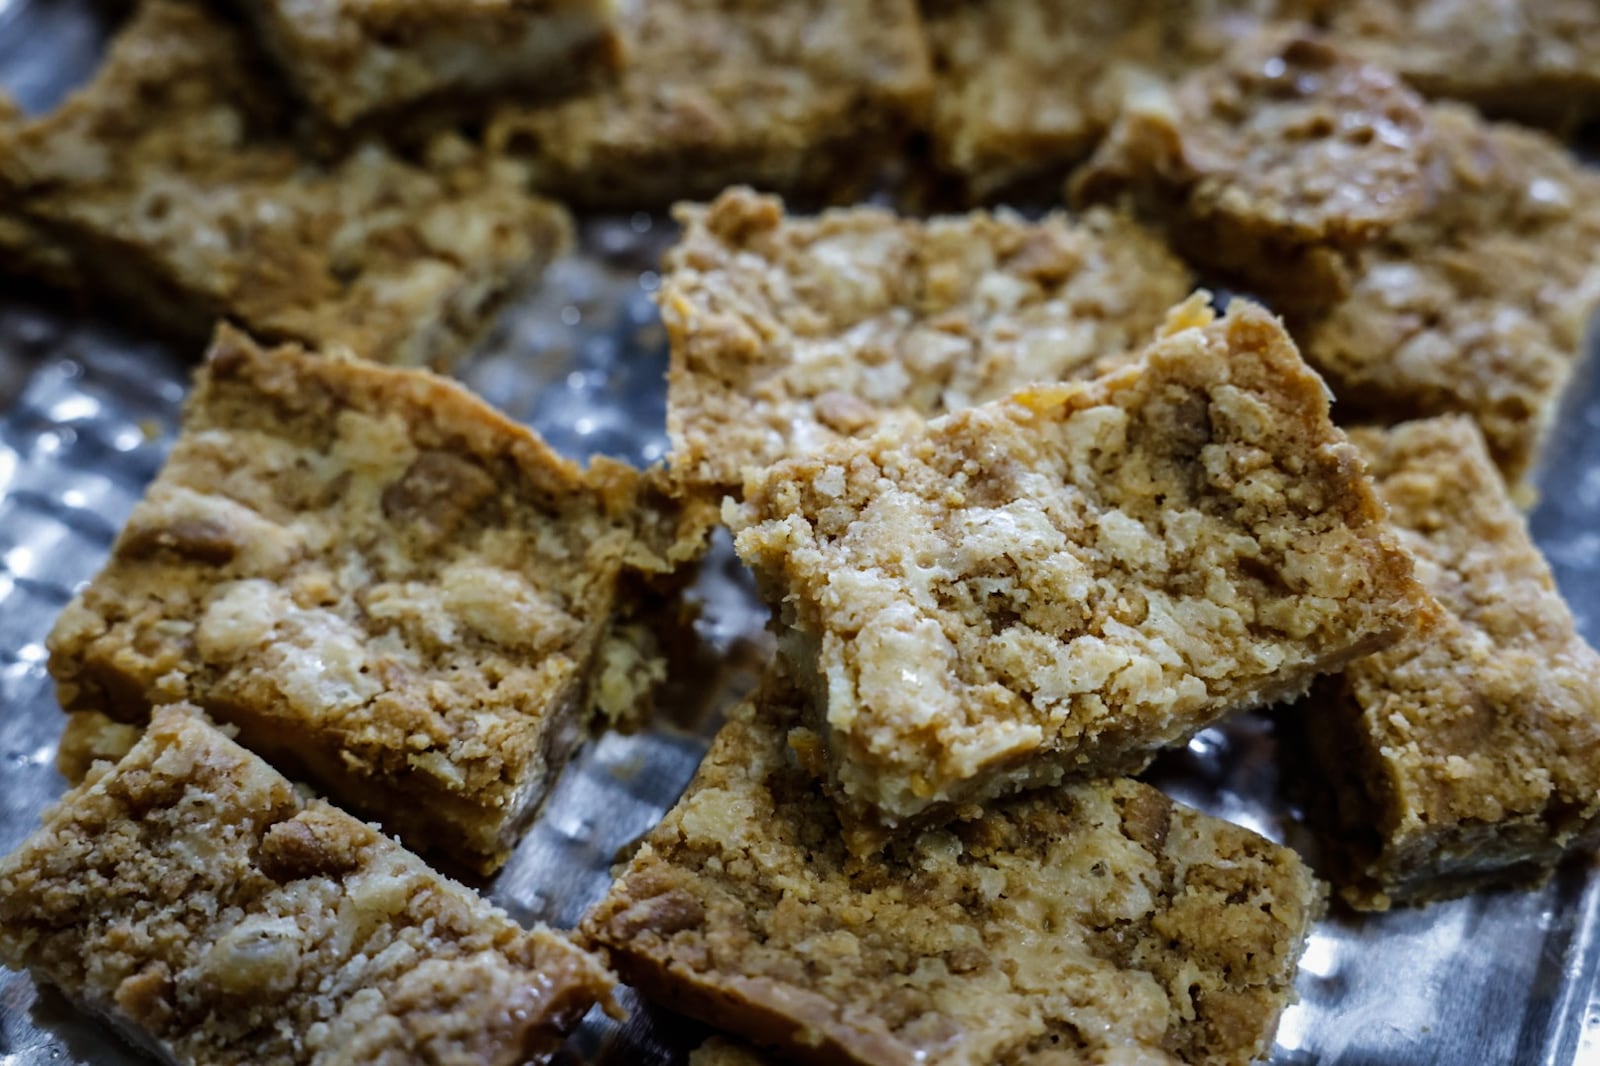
<point>1271,166</point>
<point>798,96</point>
<point>788,333</point>
<point>353,59</point>
<point>380,581</point>
<point>1059,583</point>
<point>191,896</point>
<point>1095,923</point>
<point>172,185</point>
<point>1469,755</point>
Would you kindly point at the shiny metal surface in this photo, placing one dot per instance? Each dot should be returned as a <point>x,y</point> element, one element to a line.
<point>87,411</point>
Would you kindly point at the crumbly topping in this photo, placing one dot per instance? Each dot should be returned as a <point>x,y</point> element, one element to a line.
<point>1472,752</point>
<point>792,95</point>
<point>1096,923</point>
<point>373,574</point>
<point>173,183</point>
<point>1269,163</point>
<point>789,333</point>
<point>351,58</point>
<point>190,893</point>
<point>1480,304</point>
<point>1063,581</point>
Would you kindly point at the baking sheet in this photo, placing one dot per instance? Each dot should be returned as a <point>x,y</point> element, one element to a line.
<point>89,410</point>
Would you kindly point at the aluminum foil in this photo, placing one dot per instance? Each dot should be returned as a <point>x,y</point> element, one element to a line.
<point>89,410</point>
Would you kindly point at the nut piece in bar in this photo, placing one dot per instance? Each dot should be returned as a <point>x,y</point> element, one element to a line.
<point>1481,303</point>
<point>192,898</point>
<point>1059,583</point>
<point>1271,166</point>
<point>353,59</point>
<point>1470,755</point>
<point>172,185</point>
<point>1099,922</point>
<point>380,581</point>
<point>808,97</point>
<point>789,333</point>
<point>1537,60</point>
<point>1025,88</point>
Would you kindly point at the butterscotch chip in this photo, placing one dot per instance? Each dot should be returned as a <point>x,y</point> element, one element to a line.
<point>1025,88</point>
<point>1059,583</point>
<point>355,58</point>
<point>1272,165</point>
<point>1480,304</point>
<point>1096,923</point>
<point>157,895</point>
<point>378,580</point>
<point>790,333</point>
<point>1469,755</point>
<point>807,96</point>
<point>172,184</point>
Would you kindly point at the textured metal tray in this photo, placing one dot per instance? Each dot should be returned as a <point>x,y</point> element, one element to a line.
<point>87,410</point>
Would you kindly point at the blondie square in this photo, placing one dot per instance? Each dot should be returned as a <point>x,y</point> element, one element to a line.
<point>1271,166</point>
<point>1026,88</point>
<point>194,899</point>
<point>379,581</point>
<point>800,96</point>
<point>1059,583</point>
<point>1472,754</point>
<point>352,59</point>
<point>1094,923</point>
<point>789,333</point>
<point>1481,303</point>
<point>172,184</point>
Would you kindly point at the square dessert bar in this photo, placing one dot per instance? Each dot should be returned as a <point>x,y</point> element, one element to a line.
<point>1271,166</point>
<point>1059,583</point>
<point>799,96</point>
<point>1099,922</point>
<point>380,581</point>
<point>191,897</point>
<point>173,185</point>
<point>1025,88</point>
<point>1471,754</point>
<point>352,59</point>
<point>789,333</point>
<point>1478,305</point>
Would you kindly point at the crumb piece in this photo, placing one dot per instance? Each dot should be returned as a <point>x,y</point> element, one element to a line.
<point>789,333</point>
<point>1095,923</point>
<point>1469,755</point>
<point>194,899</point>
<point>92,737</point>
<point>1059,583</point>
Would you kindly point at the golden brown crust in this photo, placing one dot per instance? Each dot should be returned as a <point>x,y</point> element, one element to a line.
<point>800,96</point>
<point>1059,583</point>
<point>377,578</point>
<point>1471,754</point>
<point>192,895</point>
<point>172,183</point>
<point>789,333</point>
<point>1083,921</point>
<point>1480,304</point>
<point>1271,165</point>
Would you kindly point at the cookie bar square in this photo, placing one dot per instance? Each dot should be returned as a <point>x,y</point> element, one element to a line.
<point>789,332</point>
<point>353,59</point>
<point>1059,583</point>
<point>798,96</point>
<point>379,580</point>
<point>1101,922</point>
<point>1271,166</point>
<point>1471,754</point>
<point>1478,305</point>
<point>173,185</point>
<point>191,897</point>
